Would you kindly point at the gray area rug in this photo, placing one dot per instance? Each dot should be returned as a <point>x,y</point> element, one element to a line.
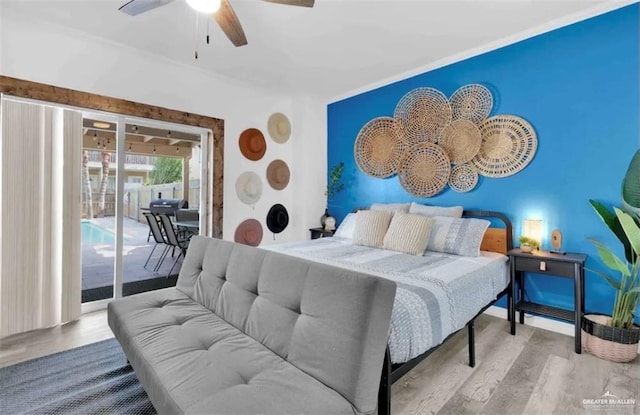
<point>92,379</point>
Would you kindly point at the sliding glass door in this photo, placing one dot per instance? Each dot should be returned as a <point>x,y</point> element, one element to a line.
<point>133,171</point>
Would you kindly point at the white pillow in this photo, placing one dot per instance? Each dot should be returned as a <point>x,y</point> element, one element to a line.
<point>457,236</point>
<point>424,210</point>
<point>391,207</point>
<point>371,227</point>
<point>347,227</point>
<point>408,233</point>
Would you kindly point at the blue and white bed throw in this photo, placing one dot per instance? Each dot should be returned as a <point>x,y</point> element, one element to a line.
<point>437,294</point>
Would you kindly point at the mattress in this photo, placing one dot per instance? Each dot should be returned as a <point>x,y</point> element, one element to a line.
<point>437,294</point>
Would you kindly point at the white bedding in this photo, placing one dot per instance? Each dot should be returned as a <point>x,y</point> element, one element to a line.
<point>437,293</point>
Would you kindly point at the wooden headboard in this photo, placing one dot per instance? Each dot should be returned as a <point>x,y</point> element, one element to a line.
<point>495,239</point>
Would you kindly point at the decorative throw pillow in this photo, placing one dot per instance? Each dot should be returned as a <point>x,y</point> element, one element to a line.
<point>408,233</point>
<point>453,211</point>
<point>347,227</point>
<point>392,207</point>
<point>457,236</point>
<point>371,226</point>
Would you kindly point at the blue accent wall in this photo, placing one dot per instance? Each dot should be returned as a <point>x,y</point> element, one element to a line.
<point>578,86</point>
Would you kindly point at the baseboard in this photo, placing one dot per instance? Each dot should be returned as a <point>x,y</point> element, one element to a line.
<point>537,322</point>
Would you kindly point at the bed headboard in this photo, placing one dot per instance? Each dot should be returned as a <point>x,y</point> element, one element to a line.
<point>495,239</point>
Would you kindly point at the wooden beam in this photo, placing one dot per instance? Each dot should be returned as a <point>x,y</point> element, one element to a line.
<point>147,138</point>
<point>53,94</point>
<point>174,142</point>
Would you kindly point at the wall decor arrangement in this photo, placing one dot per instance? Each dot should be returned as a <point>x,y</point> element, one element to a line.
<point>432,141</point>
<point>249,232</point>
<point>252,144</point>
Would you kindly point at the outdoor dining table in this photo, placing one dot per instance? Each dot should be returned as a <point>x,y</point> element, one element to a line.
<point>191,225</point>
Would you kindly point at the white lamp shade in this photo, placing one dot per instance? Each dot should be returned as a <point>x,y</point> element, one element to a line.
<point>533,229</point>
<point>204,6</point>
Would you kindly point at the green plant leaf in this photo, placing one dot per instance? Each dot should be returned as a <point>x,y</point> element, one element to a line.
<point>609,258</point>
<point>631,229</point>
<point>634,290</point>
<point>612,281</point>
<point>611,220</point>
<point>631,182</point>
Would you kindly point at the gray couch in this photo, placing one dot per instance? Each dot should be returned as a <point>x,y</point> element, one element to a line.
<point>248,331</point>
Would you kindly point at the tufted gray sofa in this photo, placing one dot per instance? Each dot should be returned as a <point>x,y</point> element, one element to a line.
<point>248,331</point>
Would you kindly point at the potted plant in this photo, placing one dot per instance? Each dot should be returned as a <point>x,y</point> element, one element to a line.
<point>528,244</point>
<point>616,337</point>
<point>334,185</point>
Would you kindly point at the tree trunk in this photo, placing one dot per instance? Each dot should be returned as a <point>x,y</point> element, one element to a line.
<point>86,180</point>
<point>106,158</point>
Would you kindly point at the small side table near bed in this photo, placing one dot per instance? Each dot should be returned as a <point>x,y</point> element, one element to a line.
<point>569,265</point>
<point>320,233</point>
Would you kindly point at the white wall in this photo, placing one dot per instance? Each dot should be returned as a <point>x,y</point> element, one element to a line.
<point>43,52</point>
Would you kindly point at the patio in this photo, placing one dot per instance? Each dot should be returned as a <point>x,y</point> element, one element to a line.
<point>98,257</point>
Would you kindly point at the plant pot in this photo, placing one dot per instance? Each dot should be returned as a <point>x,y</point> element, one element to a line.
<point>526,248</point>
<point>609,343</point>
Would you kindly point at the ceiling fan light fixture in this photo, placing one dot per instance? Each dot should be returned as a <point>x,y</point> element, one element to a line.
<point>204,6</point>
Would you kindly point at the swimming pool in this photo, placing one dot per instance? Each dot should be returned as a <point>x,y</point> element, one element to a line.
<point>93,234</point>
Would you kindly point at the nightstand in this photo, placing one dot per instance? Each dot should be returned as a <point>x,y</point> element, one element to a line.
<point>570,265</point>
<point>320,233</point>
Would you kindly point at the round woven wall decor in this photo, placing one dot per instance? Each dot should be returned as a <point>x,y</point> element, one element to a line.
<point>461,141</point>
<point>423,113</point>
<point>424,170</point>
<point>463,178</point>
<point>508,146</point>
<point>472,102</point>
<point>379,147</point>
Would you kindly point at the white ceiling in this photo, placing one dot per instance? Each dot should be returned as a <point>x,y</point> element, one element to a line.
<point>329,50</point>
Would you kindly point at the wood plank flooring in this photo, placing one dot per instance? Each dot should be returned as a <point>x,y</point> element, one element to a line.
<point>534,372</point>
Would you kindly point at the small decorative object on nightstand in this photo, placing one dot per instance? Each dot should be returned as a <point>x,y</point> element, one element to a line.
<point>569,265</point>
<point>320,233</point>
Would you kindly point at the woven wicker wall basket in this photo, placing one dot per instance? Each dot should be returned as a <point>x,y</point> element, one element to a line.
<point>425,169</point>
<point>472,102</point>
<point>508,146</point>
<point>379,147</point>
<point>423,114</point>
<point>463,178</point>
<point>461,141</point>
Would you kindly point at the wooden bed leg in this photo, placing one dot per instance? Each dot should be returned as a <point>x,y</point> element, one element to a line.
<point>472,343</point>
<point>384,393</point>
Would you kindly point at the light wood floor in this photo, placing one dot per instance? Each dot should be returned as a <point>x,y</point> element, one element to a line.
<point>534,372</point>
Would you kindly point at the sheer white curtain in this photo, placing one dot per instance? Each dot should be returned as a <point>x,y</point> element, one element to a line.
<point>40,208</point>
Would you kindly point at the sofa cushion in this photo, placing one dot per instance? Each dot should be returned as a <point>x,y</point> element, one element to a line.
<point>191,361</point>
<point>329,322</point>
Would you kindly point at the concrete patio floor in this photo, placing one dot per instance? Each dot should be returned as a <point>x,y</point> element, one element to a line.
<point>98,259</point>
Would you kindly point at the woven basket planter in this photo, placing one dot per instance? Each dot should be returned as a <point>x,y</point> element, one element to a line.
<point>609,343</point>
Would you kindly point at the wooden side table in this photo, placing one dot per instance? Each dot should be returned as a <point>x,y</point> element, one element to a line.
<point>320,233</point>
<point>570,265</point>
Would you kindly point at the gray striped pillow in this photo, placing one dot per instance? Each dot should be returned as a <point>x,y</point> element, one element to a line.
<point>408,233</point>
<point>371,226</point>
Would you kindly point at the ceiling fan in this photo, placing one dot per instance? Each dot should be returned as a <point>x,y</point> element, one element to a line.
<point>221,11</point>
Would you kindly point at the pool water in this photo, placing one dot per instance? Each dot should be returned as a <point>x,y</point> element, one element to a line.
<point>93,234</point>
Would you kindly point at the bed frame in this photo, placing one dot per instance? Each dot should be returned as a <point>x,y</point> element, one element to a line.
<point>495,240</point>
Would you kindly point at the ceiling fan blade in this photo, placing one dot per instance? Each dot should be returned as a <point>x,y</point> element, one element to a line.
<point>135,7</point>
<point>302,3</point>
<point>229,23</point>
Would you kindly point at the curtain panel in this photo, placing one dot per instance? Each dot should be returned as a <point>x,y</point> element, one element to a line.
<point>40,209</point>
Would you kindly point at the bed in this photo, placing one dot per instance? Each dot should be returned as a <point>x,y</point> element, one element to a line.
<point>437,294</point>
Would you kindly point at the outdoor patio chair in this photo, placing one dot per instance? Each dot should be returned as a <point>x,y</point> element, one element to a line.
<point>156,232</point>
<point>173,239</point>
